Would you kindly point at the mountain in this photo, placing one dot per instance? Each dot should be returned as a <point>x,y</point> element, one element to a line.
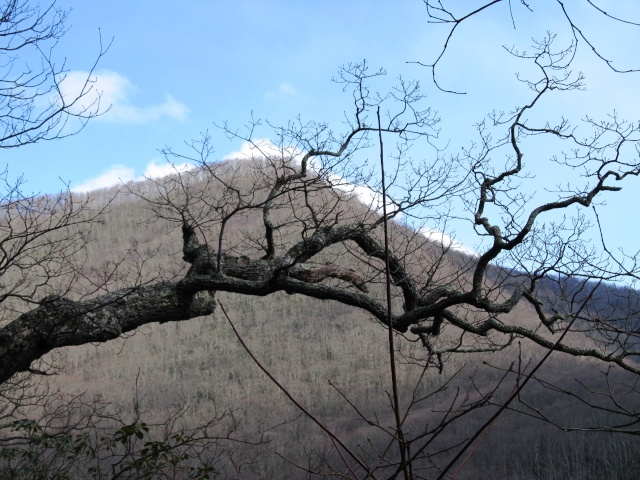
<point>334,360</point>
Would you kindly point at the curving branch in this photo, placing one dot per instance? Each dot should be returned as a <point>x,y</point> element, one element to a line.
<point>442,12</point>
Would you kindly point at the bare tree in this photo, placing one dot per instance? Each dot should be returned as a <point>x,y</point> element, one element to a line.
<point>300,189</point>
<point>33,104</point>
<point>313,242</point>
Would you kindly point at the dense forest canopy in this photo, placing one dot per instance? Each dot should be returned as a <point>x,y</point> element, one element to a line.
<point>290,221</point>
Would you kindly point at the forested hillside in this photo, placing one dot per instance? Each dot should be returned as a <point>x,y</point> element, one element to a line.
<point>334,360</point>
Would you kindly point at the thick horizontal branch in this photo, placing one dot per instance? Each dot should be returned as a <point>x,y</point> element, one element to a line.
<point>59,322</point>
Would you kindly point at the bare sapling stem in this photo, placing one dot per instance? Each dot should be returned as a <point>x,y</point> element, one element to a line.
<point>404,465</point>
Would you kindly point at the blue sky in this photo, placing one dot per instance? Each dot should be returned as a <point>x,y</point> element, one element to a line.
<point>172,71</point>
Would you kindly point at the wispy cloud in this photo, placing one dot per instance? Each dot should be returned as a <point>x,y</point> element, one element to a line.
<point>119,174</point>
<point>109,93</point>
<point>284,91</point>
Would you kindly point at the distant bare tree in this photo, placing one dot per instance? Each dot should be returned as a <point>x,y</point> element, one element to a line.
<point>76,438</point>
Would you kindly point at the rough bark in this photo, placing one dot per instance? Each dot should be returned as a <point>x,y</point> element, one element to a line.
<point>59,322</point>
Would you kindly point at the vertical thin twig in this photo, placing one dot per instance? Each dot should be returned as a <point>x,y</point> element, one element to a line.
<point>404,465</point>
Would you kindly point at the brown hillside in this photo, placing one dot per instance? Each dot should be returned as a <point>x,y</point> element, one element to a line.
<point>305,343</point>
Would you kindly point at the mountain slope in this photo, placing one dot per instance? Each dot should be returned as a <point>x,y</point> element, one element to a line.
<point>305,343</point>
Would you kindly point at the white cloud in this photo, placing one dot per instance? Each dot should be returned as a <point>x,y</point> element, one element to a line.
<point>154,170</point>
<point>119,174</point>
<point>115,175</point>
<point>109,93</point>
<point>285,91</point>
<point>261,148</point>
<point>365,195</point>
<point>445,240</point>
